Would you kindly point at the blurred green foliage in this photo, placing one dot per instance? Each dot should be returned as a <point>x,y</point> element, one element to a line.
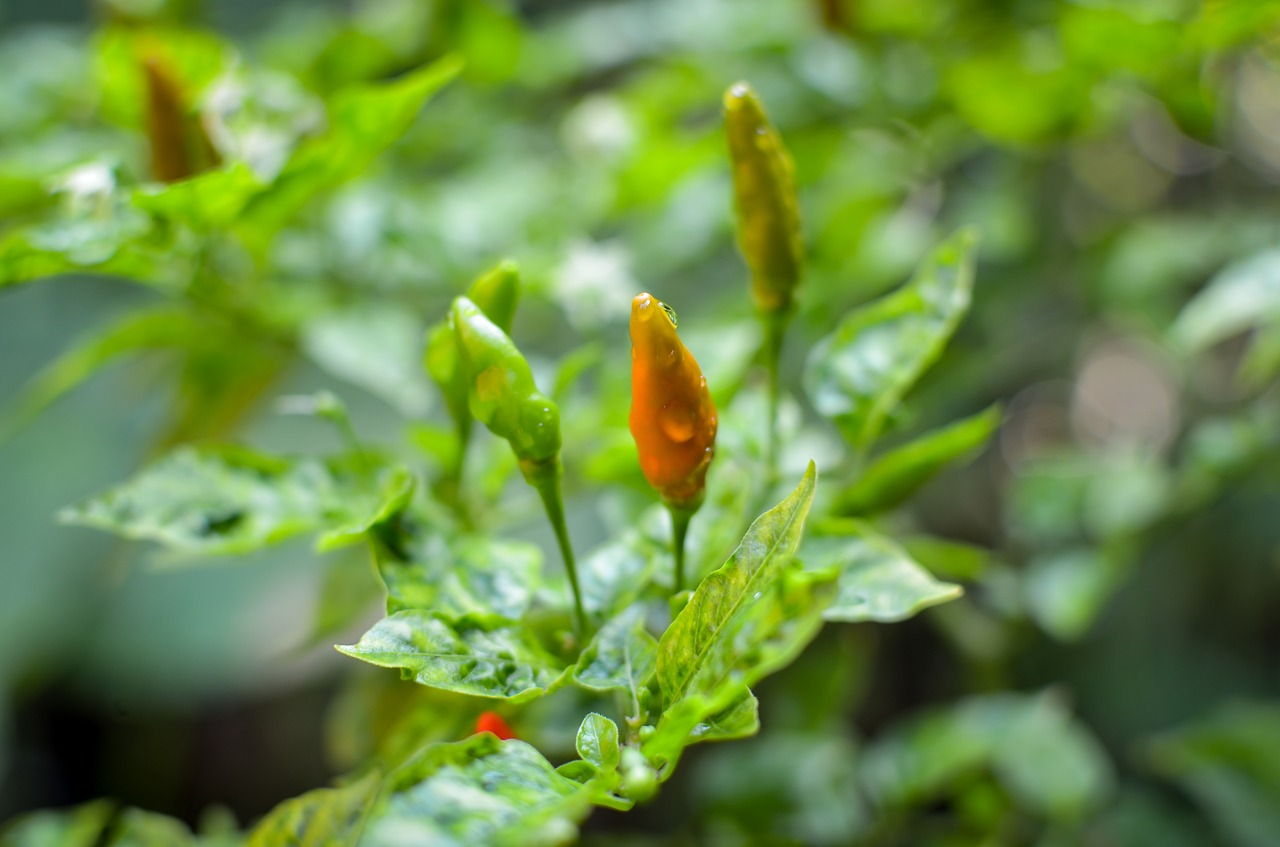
<point>1109,677</point>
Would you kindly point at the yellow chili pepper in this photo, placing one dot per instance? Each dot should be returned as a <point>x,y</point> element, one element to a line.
<point>765,196</point>
<point>673,419</point>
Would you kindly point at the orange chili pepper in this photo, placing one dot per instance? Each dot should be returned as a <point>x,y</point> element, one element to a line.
<point>673,419</point>
<point>493,722</point>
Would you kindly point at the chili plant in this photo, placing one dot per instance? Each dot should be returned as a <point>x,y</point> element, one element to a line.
<point>663,630</point>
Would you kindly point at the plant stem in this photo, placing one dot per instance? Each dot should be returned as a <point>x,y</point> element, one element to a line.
<point>775,325</point>
<point>460,457</point>
<point>545,478</point>
<point>452,483</point>
<point>348,434</point>
<point>679,529</point>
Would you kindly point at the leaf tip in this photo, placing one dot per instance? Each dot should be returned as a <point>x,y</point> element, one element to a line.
<point>449,66</point>
<point>809,482</point>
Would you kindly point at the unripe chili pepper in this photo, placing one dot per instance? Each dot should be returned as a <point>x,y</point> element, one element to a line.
<point>765,197</point>
<point>493,722</point>
<point>496,293</point>
<point>501,392</point>
<point>673,419</point>
<point>503,396</point>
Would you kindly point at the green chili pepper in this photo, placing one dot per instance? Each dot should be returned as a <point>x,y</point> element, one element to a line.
<point>496,293</point>
<point>765,195</point>
<point>503,396</point>
<point>501,391</point>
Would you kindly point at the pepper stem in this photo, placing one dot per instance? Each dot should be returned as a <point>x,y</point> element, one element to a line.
<point>680,516</point>
<point>329,407</point>
<point>455,478</point>
<point>460,455</point>
<point>545,478</point>
<point>775,326</point>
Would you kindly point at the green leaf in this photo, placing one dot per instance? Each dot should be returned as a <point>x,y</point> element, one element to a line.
<point>1067,590</point>
<point>364,120</point>
<point>21,194</point>
<point>614,575</point>
<point>1262,361</point>
<point>1043,731</point>
<point>746,620</point>
<point>896,474</point>
<point>1230,764</point>
<point>622,655</point>
<point>205,202</point>
<point>117,243</point>
<point>757,790</point>
<point>597,742</point>
<point>146,329</point>
<point>1242,296</point>
<point>878,580</point>
<point>469,573</point>
<point>917,760</point>
<point>717,528</point>
<point>603,782</point>
<point>81,826</point>
<point>96,824</point>
<point>485,656</point>
<point>729,714</point>
<point>1011,99</point>
<point>859,374</point>
<point>723,635</point>
<point>479,792</point>
<point>217,501</point>
<point>1011,735</point>
<point>374,347</point>
<point>948,558</point>
<point>320,817</point>
<point>136,828</point>
<point>367,508</point>
<point>739,719</point>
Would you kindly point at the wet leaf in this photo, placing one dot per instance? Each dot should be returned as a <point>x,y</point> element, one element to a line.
<point>877,579</point>
<point>218,501</point>
<point>859,374</point>
<point>896,474</point>
<point>485,656</point>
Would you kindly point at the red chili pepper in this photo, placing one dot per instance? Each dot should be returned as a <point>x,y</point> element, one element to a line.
<point>493,722</point>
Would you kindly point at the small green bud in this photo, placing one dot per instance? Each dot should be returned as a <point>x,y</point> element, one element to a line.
<point>639,779</point>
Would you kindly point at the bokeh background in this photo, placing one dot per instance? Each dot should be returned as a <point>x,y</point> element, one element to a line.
<point>1117,539</point>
